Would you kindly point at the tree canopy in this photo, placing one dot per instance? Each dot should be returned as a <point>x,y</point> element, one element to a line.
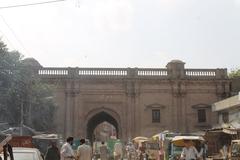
<point>235,73</point>
<point>19,87</point>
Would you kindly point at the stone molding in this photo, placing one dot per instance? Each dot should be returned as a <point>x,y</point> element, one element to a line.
<point>201,106</point>
<point>155,106</point>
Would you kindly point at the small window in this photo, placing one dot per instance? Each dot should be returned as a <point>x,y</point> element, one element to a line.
<point>202,116</point>
<point>225,117</point>
<point>156,116</point>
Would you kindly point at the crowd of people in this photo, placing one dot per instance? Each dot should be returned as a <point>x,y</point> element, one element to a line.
<point>85,151</point>
<point>132,152</point>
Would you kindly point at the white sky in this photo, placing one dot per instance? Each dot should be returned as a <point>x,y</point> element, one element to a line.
<point>125,33</point>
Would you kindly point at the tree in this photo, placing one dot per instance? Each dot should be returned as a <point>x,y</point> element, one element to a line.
<point>8,60</point>
<point>235,73</point>
<point>20,87</point>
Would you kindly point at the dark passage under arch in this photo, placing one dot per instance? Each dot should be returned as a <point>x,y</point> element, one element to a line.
<point>98,119</point>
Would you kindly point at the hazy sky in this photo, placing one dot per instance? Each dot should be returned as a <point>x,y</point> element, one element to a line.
<point>125,33</point>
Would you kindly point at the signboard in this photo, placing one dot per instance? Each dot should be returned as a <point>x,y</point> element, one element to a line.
<point>21,141</point>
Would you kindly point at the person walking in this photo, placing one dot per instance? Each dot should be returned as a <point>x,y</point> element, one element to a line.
<point>103,151</point>
<point>67,151</point>
<point>118,150</point>
<point>142,152</point>
<point>203,151</point>
<point>84,151</point>
<point>224,151</point>
<point>131,151</point>
<point>52,152</point>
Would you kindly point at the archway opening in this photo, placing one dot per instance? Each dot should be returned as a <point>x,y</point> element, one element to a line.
<point>100,122</point>
<point>104,131</point>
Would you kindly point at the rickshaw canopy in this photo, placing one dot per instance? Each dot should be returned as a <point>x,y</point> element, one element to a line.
<point>140,139</point>
<point>156,136</point>
<point>179,140</point>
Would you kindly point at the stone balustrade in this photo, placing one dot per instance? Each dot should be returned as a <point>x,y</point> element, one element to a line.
<point>53,72</point>
<point>206,73</point>
<point>130,72</point>
<point>102,72</point>
<point>152,72</point>
<point>200,72</point>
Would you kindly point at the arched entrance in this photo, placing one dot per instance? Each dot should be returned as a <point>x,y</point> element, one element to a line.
<point>98,119</point>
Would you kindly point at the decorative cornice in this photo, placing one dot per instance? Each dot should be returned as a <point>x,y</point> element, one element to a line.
<point>154,106</point>
<point>201,106</point>
<point>72,92</point>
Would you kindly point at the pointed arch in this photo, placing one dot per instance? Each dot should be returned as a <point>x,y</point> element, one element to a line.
<point>97,116</point>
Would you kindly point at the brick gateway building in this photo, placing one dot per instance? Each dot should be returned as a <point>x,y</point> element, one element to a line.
<point>137,101</point>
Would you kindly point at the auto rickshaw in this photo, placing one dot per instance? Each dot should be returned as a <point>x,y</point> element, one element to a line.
<point>140,145</point>
<point>235,150</point>
<point>163,148</point>
<point>178,143</point>
<point>152,149</point>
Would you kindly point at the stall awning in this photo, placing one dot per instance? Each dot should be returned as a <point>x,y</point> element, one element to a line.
<point>228,131</point>
<point>224,130</point>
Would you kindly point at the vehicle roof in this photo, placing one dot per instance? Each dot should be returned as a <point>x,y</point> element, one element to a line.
<point>188,138</point>
<point>236,140</point>
<point>24,149</point>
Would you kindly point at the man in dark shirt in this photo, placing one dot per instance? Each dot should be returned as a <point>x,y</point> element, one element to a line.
<point>52,152</point>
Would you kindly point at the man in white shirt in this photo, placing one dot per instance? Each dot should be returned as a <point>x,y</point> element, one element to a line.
<point>189,152</point>
<point>67,151</point>
<point>118,150</point>
<point>84,151</point>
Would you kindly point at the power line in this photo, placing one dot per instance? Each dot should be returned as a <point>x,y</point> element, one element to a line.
<point>9,42</point>
<point>31,4</point>
<point>14,34</point>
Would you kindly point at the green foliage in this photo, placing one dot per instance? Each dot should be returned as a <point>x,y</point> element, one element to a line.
<point>19,87</point>
<point>234,73</point>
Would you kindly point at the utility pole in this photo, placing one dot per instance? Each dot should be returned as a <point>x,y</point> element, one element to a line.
<point>21,123</point>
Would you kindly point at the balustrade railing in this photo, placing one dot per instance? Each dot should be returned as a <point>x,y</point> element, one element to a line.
<point>128,72</point>
<point>200,72</point>
<point>53,72</point>
<point>137,72</point>
<point>152,72</point>
<point>102,72</point>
